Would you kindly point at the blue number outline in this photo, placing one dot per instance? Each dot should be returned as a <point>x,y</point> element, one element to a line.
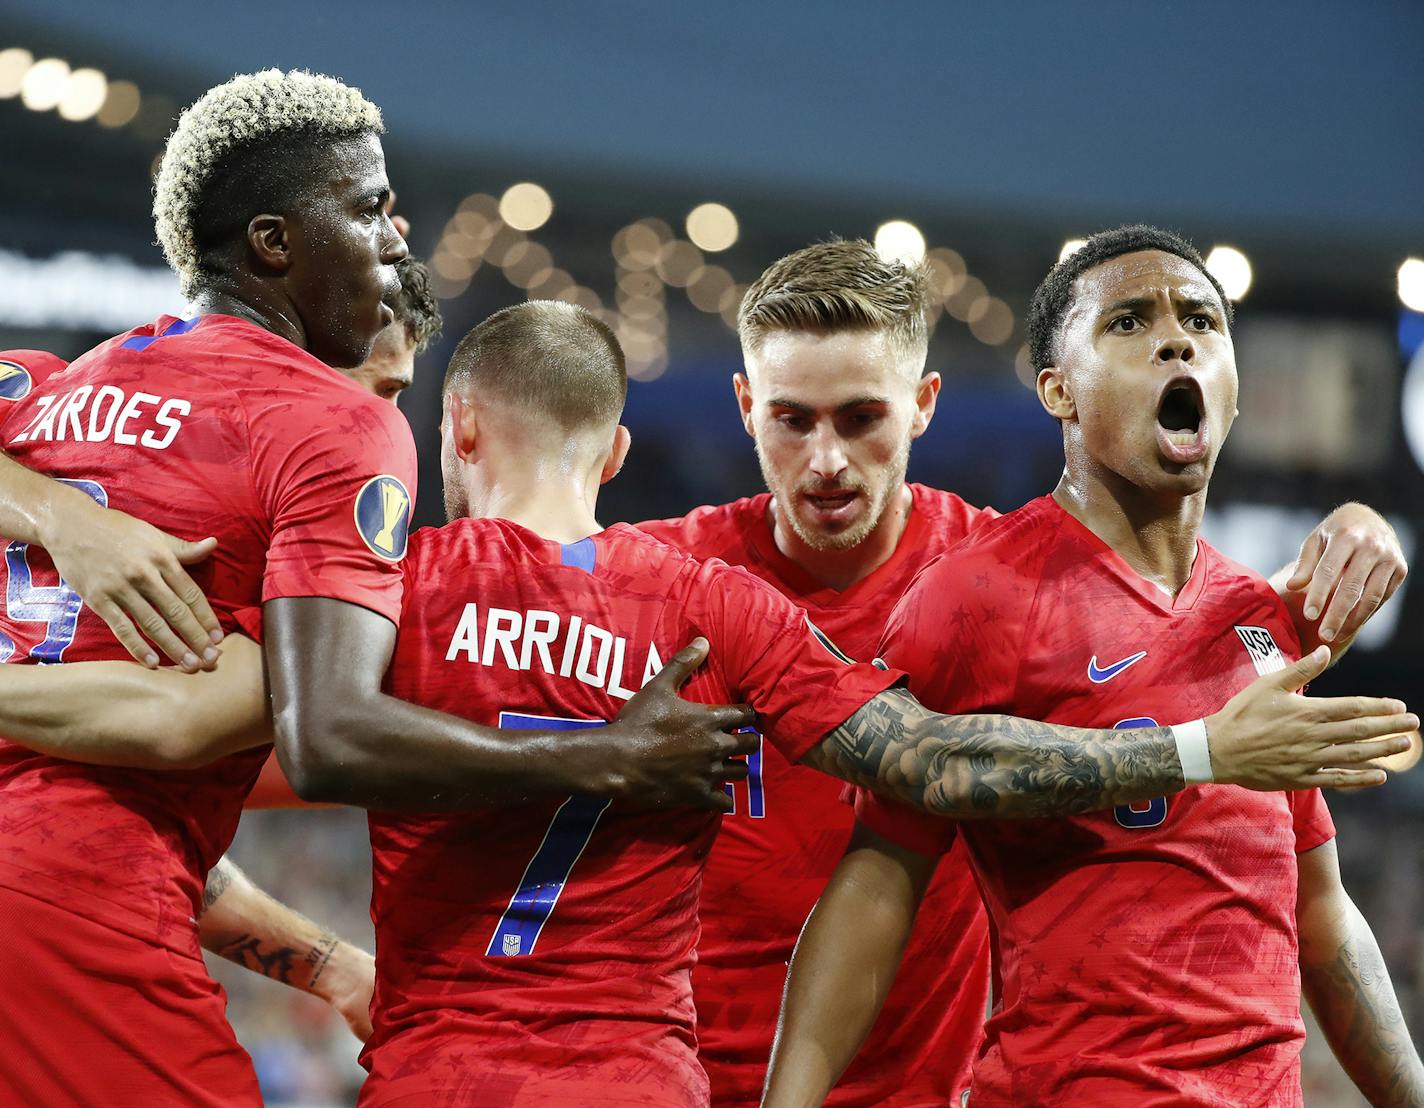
<point>565,839</point>
<point>756,788</point>
<point>56,606</point>
<point>1155,814</point>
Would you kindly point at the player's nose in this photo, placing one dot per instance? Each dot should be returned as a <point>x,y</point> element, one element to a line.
<point>828,456</point>
<point>1176,348</point>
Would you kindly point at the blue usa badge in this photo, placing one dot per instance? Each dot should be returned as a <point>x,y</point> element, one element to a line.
<point>15,381</point>
<point>383,517</point>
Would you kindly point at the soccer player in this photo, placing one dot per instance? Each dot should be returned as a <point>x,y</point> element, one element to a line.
<point>1153,954</point>
<point>235,425</point>
<point>521,626</point>
<point>834,340</point>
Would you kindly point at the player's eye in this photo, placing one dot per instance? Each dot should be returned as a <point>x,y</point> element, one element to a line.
<point>794,422</point>
<point>1200,322</point>
<point>1125,325</point>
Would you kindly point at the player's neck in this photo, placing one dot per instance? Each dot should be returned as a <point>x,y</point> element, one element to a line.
<point>840,569</point>
<point>1155,534</point>
<point>256,305</point>
<point>553,506</point>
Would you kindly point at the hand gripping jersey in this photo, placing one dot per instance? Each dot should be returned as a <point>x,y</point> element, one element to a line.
<point>211,426</point>
<point>1146,955</point>
<point>541,953</point>
<point>778,850</point>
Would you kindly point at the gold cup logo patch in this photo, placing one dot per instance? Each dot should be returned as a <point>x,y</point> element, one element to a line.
<point>383,516</point>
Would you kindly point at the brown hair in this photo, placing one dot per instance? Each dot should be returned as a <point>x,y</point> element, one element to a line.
<point>555,359</point>
<point>842,285</point>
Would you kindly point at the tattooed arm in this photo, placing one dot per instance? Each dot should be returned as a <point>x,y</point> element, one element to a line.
<point>244,925</point>
<point>1267,738</point>
<point>1345,979</point>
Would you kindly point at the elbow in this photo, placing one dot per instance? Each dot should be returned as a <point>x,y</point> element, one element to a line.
<point>314,749</point>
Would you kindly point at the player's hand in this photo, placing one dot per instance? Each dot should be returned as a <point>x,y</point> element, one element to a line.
<point>1348,566</point>
<point>664,751</point>
<point>346,984</point>
<point>131,574</point>
<point>1270,737</point>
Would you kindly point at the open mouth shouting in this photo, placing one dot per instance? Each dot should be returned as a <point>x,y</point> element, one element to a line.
<point>1181,421</point>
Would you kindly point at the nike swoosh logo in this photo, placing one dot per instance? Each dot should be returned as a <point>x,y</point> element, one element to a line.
<point>1107,673</point>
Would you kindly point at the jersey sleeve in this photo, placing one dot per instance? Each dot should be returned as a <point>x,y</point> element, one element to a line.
<point>1311,818</point>
<point>337,479</point>
<point>957,633</point>
<point>800,683</point>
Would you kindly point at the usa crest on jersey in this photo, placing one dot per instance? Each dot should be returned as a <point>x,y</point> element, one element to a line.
<point>382,514</point>
<point>1265,655</point>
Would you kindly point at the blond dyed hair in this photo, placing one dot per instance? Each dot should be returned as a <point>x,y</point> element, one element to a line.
<point>843,285</point>
<point>251,108</point>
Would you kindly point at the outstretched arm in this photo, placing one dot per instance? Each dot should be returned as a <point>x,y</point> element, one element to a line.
<point>987,766</point>
<point>243,924</point>
<point>845,962</point>
<point>120,714</point>
<point>1347,983</point>
<point>129,573</point>
<point>341,739</point>
<point>1347,567</point>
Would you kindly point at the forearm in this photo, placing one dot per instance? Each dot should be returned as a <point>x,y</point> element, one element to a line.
<point>996,767</point>
<point>840,974</point>
<point>376,751</point>
<point>121,714</point>
<point>30,502</point>
<point>1344,977</point>
<point>243,924</point>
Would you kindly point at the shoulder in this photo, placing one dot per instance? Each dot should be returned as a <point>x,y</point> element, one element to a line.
<point>1002,549</point>
<point>713,529</point>
<point>947,513</point>
<point>22,370</point>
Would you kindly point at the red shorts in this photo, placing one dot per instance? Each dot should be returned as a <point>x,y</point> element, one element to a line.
<point>90,1015</point>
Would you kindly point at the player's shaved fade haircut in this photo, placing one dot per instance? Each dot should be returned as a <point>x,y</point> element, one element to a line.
<point>1053,298</point>
<point>554,359</point>
<point>416,306</point>
<point>248,146</point>
<point>842,285</point>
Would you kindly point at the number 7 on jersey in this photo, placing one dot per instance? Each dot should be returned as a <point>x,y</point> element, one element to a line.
<point>548,871</point>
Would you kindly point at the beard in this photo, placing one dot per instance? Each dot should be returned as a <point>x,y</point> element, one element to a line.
<point>878,492</point>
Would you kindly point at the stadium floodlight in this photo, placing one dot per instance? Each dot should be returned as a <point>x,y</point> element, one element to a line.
<point>900,241</point>
<point>1232,268</point>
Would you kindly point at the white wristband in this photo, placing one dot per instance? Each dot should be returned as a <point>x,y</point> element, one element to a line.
<point>1193,752</point>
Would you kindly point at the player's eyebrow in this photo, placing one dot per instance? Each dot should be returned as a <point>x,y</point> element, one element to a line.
<point>806,409</point>
<point>1129,304</point>
<point>1198,304</point>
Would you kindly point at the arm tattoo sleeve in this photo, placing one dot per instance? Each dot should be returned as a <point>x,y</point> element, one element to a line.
<point>219,878</point>
<point>1353,998</point>
<point>990,766</point>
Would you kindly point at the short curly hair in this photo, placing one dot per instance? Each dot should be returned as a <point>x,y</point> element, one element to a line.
<point>841,285</point>
<point>269,111</point>
<point>1049,306</point>
<point>416,306</point>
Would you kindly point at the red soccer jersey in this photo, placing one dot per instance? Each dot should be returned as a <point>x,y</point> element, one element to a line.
<point>1147,955</point>
<point>542,953</point>
<point>210,426</point>
<point>778,850</point>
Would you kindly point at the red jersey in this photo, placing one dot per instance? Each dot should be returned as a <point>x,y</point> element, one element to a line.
<point>541,954</point>
<point>210,426</point>
<point>1146,955</point>
<point>778,850</point>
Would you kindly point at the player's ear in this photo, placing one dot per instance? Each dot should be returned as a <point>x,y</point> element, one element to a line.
<point>269,237</point>
<point>462,425</point>
<point>617,455</point>
<point>926,397</point>
<point>742,386</point>
<point>1054,394</point>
